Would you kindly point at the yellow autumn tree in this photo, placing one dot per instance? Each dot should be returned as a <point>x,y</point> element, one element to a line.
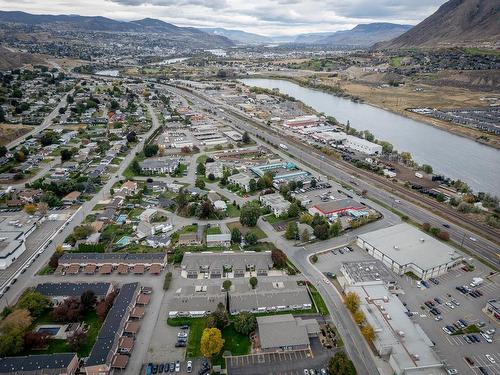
<point>30,208</point>
<point>368,332</point>
<point>359,317</point>
<point>211,342</point>
<point>351,301</point>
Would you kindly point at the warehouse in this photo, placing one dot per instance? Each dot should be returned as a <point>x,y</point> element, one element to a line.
<point>12,245</point>
<point>338,207</point>
<point>362,145</point>
<point>403,248</point>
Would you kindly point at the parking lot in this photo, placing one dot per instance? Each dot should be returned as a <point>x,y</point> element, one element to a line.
<point>280,363</point>
<point>452,306</point>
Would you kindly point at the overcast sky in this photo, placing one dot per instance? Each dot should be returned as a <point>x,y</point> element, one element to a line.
<point>266,17</point>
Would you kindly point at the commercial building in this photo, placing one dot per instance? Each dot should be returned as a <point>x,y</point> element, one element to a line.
<point>276,203</point>
<point>43,364</point>
<point>12,245</point>
<point>403,248</point>
<point>301,121</point>
<point>362,145</point>
<point>269,297</point>
<point>226,264</point>
<point>492,308</point>
<point>338,207</point>
<point>398,340</point>
<point>282,172</point>
<point>366,272</point>
<point>285,332</point>
<point>60,291</point>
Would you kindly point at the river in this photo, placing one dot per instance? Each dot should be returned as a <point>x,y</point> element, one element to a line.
<point>451,155</point>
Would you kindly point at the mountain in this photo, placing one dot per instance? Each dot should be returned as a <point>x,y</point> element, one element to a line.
<point>362,35</point>
<point>455,23</point>
<point>239,36</point>
<point>188,35</point>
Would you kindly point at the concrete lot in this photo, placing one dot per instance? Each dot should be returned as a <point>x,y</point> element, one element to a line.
<point>453,349</point>
<point>280,363</point>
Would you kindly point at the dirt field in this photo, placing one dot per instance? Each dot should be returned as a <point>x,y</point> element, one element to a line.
<point>9,132</point>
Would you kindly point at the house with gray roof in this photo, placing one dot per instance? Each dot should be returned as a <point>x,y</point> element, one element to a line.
<point>196,301</point>
<point>42,364</point>
<point>60,291</point>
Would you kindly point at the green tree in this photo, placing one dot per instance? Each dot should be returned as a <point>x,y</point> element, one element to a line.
<point>340,364</point>
<point>200,169</point>
<point>150,150</point>
<point>200,183</point>
<point>321,231</point>
<point>227,285</point>
<point>246,138</point>
<point>219,318</point>
<point>245,323</point>
<point>305,236</point>
<point>66,154</point>
<point>314,258</point>
<point>252,185</point>
<point>253,282</point>
<point>293,210</point>
<point>35,302</point>
<point>292,231</point>
<point>251,238</point>
<point>427,168</point>
<point>335,228</point>
<point>250,213</point>
<point>88,300</point>
<point>235,235</point>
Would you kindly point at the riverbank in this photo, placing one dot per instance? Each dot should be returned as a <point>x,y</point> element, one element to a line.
<point>397,100</point>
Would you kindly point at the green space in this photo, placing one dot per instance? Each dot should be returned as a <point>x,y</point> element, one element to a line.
<point>396,61</point>
<point>318,300</point>
<point>46,270</point>
<point>482,51</point>
<point>272,219</point>
<point>232,211</point>
<point>196,327</point>
<point>213,230</point>
<point>244,230</point>
<point>179,172</point>
<point>202,159</point>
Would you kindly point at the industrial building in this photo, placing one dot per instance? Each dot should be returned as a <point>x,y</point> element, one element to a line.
<point>338,207</point>
<point>366,272</point>
<point>362,145</point>
<point>282,171</point>
<point>403,248</point>
<point>12,245</point>
<point>301,121</point>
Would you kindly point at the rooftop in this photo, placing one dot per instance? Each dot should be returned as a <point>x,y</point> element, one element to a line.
<point>364,271</point>
<point>72,289</point>
<point>281,330</point>
<point>44,363</point>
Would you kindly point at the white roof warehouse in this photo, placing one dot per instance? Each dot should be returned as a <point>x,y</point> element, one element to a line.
<point>404,248</point>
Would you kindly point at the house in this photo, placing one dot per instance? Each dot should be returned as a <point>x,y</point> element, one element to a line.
<point>160,165</point>
<point>220,205</point>
<point>58,292</point>
<point>223,240</point>
<point>158,241</point>
<point>128,188</point>
<point>190,239</point>
<point>148,214</point>
<point>71,198</point>
<point>215,169</point>
<point>337,207</point>
<point>60,364</point>
<point>241,180</point>
<point>276,203</point>
<point>285,332</point>
<point>144,229</point>
<point>30,195</point>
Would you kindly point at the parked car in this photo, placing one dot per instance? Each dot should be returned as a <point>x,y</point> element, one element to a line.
<point>189,366</point>
<point>155,368</point>
<point>438,300</point>
<point>490,358</point>
<point>483,370</point>
<point>172,366</point>
<point>160,368</point>
<point>469,361</point>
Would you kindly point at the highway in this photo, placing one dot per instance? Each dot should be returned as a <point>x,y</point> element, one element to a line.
<point>23,279</point>
<point>476,245</point>
<point>45,124</point>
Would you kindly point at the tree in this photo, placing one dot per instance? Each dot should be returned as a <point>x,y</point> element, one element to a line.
<point>70,310</point>
<point>351,301</point>
<point>252,185</point>
<point>150,150</point>
<point>227,285</point>
<point>406,157</point>
<point>279,258</point>
<point>54,260</point>
<point>235,235</point>
<point>359,317</point>
<point>368,332</point>
<point>200,183</point>
<point>305,236</point>
<point>292,231</point>
<point>77,340</point>
<point>246,138</point>
<point>427,168</point>
<point>250,213</point>
<point>88,300</point>
<point>293,210</point>
<point>200,169</point>
<point>43,208</point>
<point>12,341</point>
<point>313,183</point>
<point>211,342</point>
<point>253,282</point>
<point>211,177</point>
<point>19,318</point>
<point>245,323</point>
<point>321,231</point>
<point>314,258</point>
<point>335,228</point>
<point>443,235</point>
<point>30,208</point>
<point>35,340</point>
<point>132,137</point>
<point>219,318</point>
<point>66,154</point>
<point>340,364</point>
<point>251,238</point>
<point>426,227</point>
<point>35,302</point>
<point>3,150</point>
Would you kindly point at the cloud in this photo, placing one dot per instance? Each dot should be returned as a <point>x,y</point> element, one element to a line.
<point>266,17</point>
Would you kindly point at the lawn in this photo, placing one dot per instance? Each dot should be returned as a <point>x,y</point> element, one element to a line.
<point>272,219</point>
<point>232,211</point>
<point>318,300</point>
<point>214,230</point>
<point>46,270</point>
<point>202,159</point>
<point>235,342</point>
<point>244,230</point>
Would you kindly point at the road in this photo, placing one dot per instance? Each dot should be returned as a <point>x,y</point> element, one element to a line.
<point>45,124</point>
<point>24,278</point>
<point>481,247</point>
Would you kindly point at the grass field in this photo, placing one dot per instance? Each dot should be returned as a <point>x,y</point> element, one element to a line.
<point>318,301</point>
<point>244,230</point>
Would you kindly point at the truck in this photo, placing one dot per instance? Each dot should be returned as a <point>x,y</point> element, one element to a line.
<point>283,146</point>
<point>476,281</point>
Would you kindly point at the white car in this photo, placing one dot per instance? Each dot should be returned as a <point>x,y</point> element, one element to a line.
<point>182,334</point>
<point>306,371</point>
<point>487,337</point>
<point>490,358</point>
<point>189,366</point>
<point>472,239</point>
<point>452,371</point>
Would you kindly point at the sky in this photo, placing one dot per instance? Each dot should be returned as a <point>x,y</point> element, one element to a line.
<point>265,17</point>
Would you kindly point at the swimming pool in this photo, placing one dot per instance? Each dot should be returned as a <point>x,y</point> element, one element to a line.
<point>50,330</point>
